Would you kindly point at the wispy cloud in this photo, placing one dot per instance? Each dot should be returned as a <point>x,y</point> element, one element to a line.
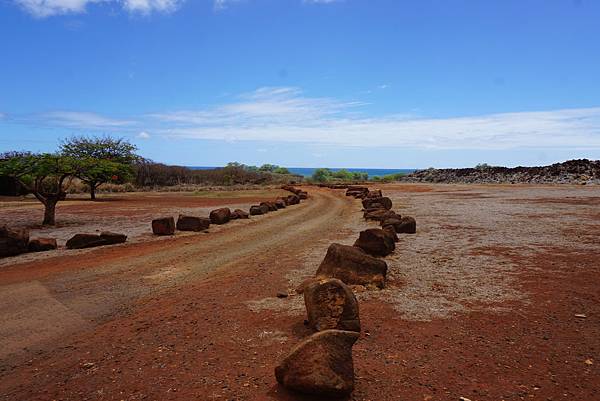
<point>76,120</point>
<point>287,114</point>
<point>143,135</point>
<point>47,8</point>
<point>223,4</point>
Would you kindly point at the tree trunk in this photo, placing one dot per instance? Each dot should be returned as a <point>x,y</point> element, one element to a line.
<point>50,212</point>
<point>93,191</point>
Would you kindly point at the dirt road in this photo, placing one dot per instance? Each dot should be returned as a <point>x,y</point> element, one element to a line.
<point>481,303</point>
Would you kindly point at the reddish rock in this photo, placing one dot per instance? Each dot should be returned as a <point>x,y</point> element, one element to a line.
<point>42,244</point>
<point>380,215</point>
<point>280,203</point>
<point>303,195</point>
<point>220,216</point>
<point>390,231</point>
<point>320,365</point>
<point>374,194</point>
<point>112,238</point>
<point>357,192</point>
<point>376,242</point>
<point>192,223</point>
<point>330,304</point>
<point>353,266</point>
<point>163,226</point>
<point>293,199</point>
<point>271,206</point>
<point>383,201</point>
<point>13,241</point>
<point>80,241</point>
<point>240,214</point>
<point>404,225</point>
<point>257,210</point>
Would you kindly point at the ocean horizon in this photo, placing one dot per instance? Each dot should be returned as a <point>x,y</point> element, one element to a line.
<point>308,171</point>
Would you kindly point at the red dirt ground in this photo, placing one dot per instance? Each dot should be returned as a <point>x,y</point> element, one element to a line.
<point>198,340</point>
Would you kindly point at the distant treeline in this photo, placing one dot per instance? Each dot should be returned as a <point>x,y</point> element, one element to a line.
<point>150,174</point>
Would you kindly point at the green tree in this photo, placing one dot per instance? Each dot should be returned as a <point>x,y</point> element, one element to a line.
<point>47,176</point>
<point>321,175</point>
<point>281,170</point>
<point>103,159</point>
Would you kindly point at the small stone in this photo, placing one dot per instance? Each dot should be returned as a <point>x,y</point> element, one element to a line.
<point>282,294</point>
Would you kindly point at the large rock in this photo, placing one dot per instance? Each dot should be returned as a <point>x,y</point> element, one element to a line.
<point>280,203</point>
<point>383,201</point>
<point>13,241</point>
<point>192,223</point>
<point>240,214</point>
<point>376,242</point>
<point>331,304</point>
<point>81,241</point>
<point>163,226</point>
<point>320,365</point>
<point>303,195</point>
<point>272,207</point>
<point>353,266</point>
<point>404,225</point>
<point>257,210</point>
<point>380,215</point>
<point>220,216</point>
<point>42,244</point>
<point>112,238</point>
<point>374,194</point>
<point>357,192</point>
<point>390,231</point>
<point>293,199</point>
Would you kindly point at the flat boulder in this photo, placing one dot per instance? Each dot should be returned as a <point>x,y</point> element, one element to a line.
<point>257,210</point>
<point>293,199</point>
<point>320,365</point>
<point>331,304</point>
<point>110,238</point>
<point>42,244</point>
<point>163,226</point>
<point>192,223</point>
<point>404,225</point>
<point>13,241</point>
<point>383,201</point>
<point>271,206</point>
<point>280,203</point>
<point>376,242</point>
<point>380,214</point>
<point>353,266</point>
<point>240,214</point>
<point>220,216</point>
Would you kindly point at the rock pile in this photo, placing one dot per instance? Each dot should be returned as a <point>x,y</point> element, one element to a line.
<point>322,363</point>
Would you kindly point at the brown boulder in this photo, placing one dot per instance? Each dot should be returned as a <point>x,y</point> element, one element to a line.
<point>220,216</point>
<point>42,244</point>
<point>390,231</point>
<point>376,242</point>
<point>320,365</point>
<point>163,226</point>
<point>192,223</point>
<point>380,215</point>
<point>303,195</point>
<point>240,214</point>
<point>353,266</point>
<point>374,194</point>
<point>330,304</point>
<point>280,203</point>
<point>257,210</point>
<point>383,201</point>
<point>404,225</point>
<point>112,238</point>
<point>293,199</point>
<point>13,241</point>
<point>271,206</point>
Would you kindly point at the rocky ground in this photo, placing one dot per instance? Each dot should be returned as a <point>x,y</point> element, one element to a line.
<point>570,172</point>
<point>494,298</point>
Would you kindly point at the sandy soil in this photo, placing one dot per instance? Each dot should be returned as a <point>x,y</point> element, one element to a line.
<point>494,298</point>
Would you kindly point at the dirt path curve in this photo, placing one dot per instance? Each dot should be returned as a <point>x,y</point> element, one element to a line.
<point>41,302</point>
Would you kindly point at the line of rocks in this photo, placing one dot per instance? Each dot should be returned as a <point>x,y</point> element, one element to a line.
<point>322,363</point>
<point>16,241</point>
<point>167,225</point>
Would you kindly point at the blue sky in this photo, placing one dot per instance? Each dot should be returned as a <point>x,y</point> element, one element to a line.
<point>348,83</point>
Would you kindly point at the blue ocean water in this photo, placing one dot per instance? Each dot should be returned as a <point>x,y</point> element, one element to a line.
<point>308,171</point>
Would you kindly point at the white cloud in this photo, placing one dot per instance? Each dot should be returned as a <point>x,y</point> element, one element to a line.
<point>223,4</point>
<point>286,114</point>
<point>143,135</point>
<point>47,8</point>
<point>77,120</point>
